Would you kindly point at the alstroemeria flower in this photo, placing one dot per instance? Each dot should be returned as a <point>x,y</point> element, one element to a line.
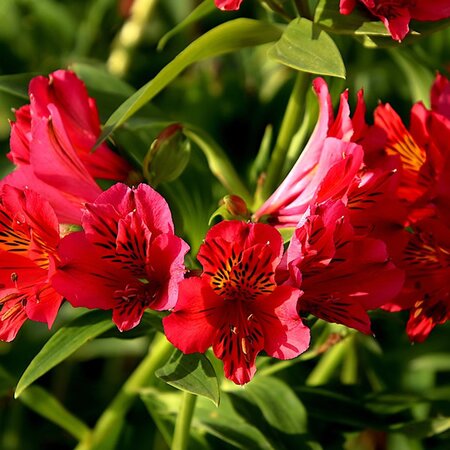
<point>127,258</point>
<point>341,275</point>
<point>424,254</point>
<point>29,238</point>
<point>396,14</point>
<point>331,167</point>
<point>423,151</point>
<point>326,167</point>
<point>236,306</point>
<point>228,5</point>
<point>52,144</point>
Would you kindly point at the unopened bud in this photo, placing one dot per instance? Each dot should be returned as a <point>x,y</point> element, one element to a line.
<point>168,156</point>
<point>235,205</point>
<point>232,207</point>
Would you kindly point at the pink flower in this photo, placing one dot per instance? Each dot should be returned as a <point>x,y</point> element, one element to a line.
<point>396,14</point>
<point>329,164</point>
<point>127,258</point>
<point>228,5</point>
<point>29,238</point>
<point>236,306</point>
<point>52,143</point>
<point>341,275</point>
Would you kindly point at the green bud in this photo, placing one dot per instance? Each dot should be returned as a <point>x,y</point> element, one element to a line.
<point>168,156</point>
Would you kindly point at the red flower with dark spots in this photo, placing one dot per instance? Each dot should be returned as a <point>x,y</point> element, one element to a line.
<point>236,306</point>
<point>28,244</point>
<point>424,254</point>
<point>396,14</point>
<point>341,275</point>
<point>127,258</point>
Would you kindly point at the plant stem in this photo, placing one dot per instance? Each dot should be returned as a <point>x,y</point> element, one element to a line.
<point>106,432</point>
<point>327,365</point>
<point>304,9</point>
<point>291,121</point>
<point>183,423</point>
<point>129,37</point>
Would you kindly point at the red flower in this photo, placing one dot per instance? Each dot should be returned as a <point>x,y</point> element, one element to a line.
<point>127,258</point>
<point>423,152</point>
<point>424,254</point>
<point>326,167</point>
<point>341,275</point>
<point>52,141</point>
<point>396,14</point>
<point>228,5</point>
<point>28,240</point>
<point>236,306</point>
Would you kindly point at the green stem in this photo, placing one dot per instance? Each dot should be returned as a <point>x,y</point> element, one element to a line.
<point>291,122</point>
<point>129,37</point>
<point>106,432</point>
<point>304,9</point>
<point>327,365</point>
<point>183,423</point>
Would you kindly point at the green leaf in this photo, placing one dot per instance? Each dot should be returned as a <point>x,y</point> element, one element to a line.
<point>278,403</point>
<point>191,373</point>
<point>63,343</point>
<point>46,405</point>
<point>204,9</point>
<point>230,427</point>
<point>423,428</point>
<point>358,22</point>
<point>16,85</point>
<point>307,47</point>
<point>418,76</point>
<point>331,406</point>
<point>225,38</point>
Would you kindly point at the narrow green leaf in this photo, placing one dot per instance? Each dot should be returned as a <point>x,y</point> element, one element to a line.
<point>191,373</point>
<point>330,406</point>
<point>423,428</point>
<point>46,405</point>
<point>204,9</point>
<point>63,343</point>
<point>278,403</point>
<point>16,85</point>
<point>307,47</point>
<point>418,76</point>
<point>225,38</point>
<point>226,424</point>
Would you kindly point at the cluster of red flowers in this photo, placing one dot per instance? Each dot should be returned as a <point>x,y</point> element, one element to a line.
<point>368,207</point>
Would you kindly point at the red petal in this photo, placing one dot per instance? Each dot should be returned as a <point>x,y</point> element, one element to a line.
<point>285,335</point>
<point>196,318</point>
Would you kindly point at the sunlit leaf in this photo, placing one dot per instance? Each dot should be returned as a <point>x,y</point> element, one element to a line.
<point>225,38</point>
<point>204,9</point>
<point>305,46</point>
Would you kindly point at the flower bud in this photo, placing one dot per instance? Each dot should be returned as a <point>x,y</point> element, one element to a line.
<point>168,156</point>
<point>232,207</point>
